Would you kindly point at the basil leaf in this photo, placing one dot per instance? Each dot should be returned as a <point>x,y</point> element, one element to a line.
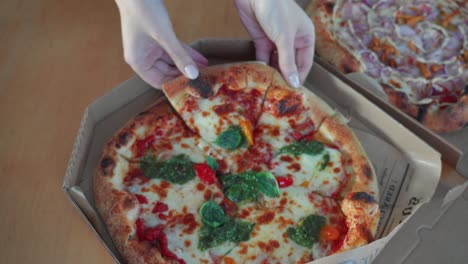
<point>307,231</point>
<point>212,214</point>
<point>212,163</point>
<point>267,184</point>
<point>325,160</point>
<point>178,169</point>
<point>232,138</point>
<point>240,187</point>
<point>302,147</point>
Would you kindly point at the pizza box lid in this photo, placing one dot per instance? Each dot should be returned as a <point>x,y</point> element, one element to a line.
<point>453,146</point>
<point>416,166</point>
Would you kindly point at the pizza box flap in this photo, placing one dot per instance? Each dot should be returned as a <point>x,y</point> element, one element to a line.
<point>417,164</point>
<point>453,146</point>
<point>435,234</point>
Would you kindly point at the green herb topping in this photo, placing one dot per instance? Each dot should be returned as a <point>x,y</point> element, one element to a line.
<point>178,169</point>
<point>267,184</point>
<point>307,231</point>
<point>303,147</point>
<point>324,162</point>
<point>232,138</point>
<point>212,214</point>
<point>217,228</point>
<point>247,186</point>
<point>212,163</point>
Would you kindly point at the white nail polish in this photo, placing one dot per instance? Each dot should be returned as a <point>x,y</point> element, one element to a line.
<point>191,71</point>
<point>294,80</point>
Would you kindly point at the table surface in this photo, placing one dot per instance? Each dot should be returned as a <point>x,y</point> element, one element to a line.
<point>55,58</point>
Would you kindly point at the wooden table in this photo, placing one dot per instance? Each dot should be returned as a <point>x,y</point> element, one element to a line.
<point>55,58</point>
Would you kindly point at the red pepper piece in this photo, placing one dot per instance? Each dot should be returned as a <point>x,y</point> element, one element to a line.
<point>140,229</point>
<point>141,198</point>
<point>162,216</point>
<point>153,233</point>
<point>165,249</point>
<point>160,207</point>
<point>284,182</point>
<point>142,145</point>
<point>205,173</point>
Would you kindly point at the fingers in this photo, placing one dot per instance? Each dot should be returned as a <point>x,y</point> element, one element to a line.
<point>304,55</point>
<point>287,60</point>
<point>196,56</point>
<point>263,49</point>
<point>160,73</point>
<point>179,55</point>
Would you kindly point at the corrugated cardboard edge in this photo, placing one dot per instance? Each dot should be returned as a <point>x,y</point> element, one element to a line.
<point>427,220</point>
<point>81,148</point>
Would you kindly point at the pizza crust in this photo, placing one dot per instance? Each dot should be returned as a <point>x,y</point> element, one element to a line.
<point>118,208</point>
<point>326,46</point>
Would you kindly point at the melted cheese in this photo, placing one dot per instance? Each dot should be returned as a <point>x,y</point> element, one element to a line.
<point>269,241</point>
<point>306,171</point>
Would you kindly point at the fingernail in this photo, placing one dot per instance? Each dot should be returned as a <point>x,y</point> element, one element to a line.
<point>191,71</point>
<point>294,80</point>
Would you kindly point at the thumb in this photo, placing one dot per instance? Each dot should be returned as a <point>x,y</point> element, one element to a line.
<point>179,55</point>
<point>287,60</point>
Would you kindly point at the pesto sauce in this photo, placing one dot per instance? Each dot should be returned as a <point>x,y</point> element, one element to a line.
<point>217,228</point>
<point>303,147</point>
<point>178,169</point>
<point>307,231</point>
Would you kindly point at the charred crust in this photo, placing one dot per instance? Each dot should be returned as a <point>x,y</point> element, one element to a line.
<point>363,196</point>
<point>367,171</point>
<point>142,113</point>
<point>129,203</point>
<point>123,138</point>
<point>284,108</point>
<point>329,7</point>
<point>366,233</point>
<point>288,105</point>
<point>107,165</point>
<point>201,87</point>
<point>346,68</point>
<point>422,111</point>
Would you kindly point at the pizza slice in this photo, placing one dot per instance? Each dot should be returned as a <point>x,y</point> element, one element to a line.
<point>153,177</point>
<point>223,105</point>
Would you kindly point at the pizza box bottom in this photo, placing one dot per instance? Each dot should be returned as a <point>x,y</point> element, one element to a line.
<point>406,166</point>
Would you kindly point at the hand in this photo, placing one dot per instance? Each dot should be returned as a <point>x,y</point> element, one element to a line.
<point>280,26</point>
<point>150,45</point>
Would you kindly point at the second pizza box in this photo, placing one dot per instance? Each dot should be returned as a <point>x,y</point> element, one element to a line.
<point>408,169</point>
<point>453,146</point>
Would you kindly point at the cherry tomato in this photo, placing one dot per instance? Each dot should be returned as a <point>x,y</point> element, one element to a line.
<point>284,182</point>
<point>205,173</point>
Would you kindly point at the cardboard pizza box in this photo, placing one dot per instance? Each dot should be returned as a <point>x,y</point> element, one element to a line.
<point>453,146</point>
<point>406,166</point>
